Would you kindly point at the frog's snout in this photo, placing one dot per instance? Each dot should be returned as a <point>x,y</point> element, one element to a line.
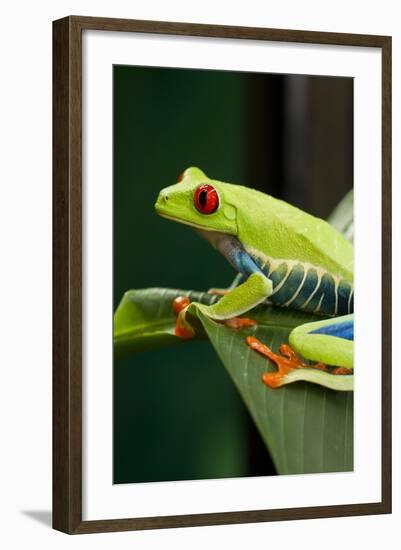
<point>162,201</point>
<point>162,198</point>
<point>172,201</point>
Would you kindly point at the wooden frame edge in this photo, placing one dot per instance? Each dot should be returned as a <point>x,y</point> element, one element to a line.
<point>67,279</point>
<point>67,274</point>
<point>386,273</point>
<point>228,518</point>
<point>226,31</point>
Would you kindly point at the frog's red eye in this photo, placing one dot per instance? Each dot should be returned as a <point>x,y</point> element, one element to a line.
<point>206,199</point>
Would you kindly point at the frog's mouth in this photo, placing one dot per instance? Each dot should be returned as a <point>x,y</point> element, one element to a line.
<point>184,222</point>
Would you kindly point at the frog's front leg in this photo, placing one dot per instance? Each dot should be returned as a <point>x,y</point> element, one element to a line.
<point>240,300</point>
<point>329,342</point>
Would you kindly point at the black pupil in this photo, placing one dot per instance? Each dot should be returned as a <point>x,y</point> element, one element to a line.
<point>203,198</point>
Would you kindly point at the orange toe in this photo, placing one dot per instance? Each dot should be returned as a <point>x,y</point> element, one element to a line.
<point>180,303</point>
<point>239,322</point>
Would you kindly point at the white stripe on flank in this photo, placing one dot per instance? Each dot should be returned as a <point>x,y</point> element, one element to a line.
<point>264,265</point>
<point>349,300</point>
<point>336,284</point>
<point>319,280</point>
<point>296,292</point>
<point>283,280</point>
<point>317,308</point>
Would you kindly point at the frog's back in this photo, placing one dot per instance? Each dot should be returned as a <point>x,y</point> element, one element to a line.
<point>278,230</point>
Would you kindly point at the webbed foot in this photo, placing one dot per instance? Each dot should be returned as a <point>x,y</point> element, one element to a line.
<point>287,362</point>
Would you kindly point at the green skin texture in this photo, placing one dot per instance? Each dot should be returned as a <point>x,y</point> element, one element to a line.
<point>278,230</point>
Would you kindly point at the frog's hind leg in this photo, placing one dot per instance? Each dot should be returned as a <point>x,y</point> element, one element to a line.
<point>330,341</point>
<point>324,341</point>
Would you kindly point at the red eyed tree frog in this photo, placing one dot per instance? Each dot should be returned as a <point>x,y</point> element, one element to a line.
<point>285,257</point>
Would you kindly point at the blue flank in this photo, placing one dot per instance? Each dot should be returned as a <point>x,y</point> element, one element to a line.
<point>292,282</point>
<point>342,329</point>
<point>315,295</point>
<point>310,293</point>
<point>319,295</point>
<point>242,261</point>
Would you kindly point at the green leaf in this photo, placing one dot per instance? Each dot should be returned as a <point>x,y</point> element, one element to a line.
<point>342,217</point>
<point>145,319</point>
<point>306,428</point>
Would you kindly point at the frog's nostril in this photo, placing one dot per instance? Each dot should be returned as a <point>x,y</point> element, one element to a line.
<point>165,197</point>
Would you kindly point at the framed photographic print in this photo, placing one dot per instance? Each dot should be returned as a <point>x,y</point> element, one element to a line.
<point>222,237</point>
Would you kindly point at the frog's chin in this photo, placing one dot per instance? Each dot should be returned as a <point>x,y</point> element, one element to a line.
<point>227,244</point>
<point>196,226</point>
<point>213,236</point>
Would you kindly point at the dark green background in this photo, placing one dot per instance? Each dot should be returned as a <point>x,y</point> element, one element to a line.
<point>177,415</point>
